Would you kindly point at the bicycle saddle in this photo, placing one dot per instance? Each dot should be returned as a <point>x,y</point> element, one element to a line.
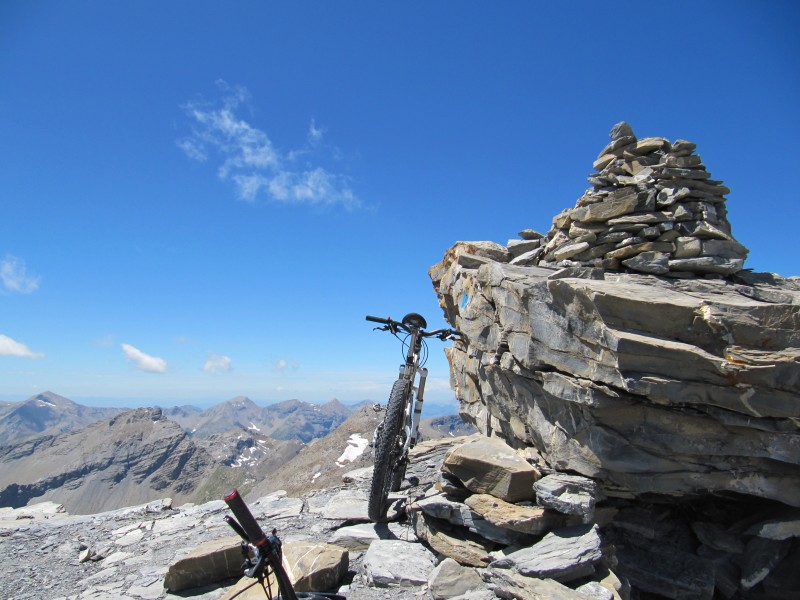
<point>415,320</point>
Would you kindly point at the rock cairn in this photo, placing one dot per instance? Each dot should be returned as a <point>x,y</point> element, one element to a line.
<point>652,208</point>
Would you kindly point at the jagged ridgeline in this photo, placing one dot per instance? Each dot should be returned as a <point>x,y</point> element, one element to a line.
<point>652,208</point>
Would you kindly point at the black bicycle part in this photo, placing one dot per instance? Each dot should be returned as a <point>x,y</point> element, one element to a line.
<point>415,320</point>
<point>255,535</point>
<point>236,527</point>
<point>387,452</point>
<point>267,556</point>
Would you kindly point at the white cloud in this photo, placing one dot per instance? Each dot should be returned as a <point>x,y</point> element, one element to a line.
<point>13,274</point>
<point>315,133</point>
<point>9,347</point>
<point>250,160</point>
<point>143,361</point>
<point>217,364</point>
<point>281,364</point>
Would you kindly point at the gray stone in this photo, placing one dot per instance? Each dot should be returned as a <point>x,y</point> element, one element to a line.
<point>457,513</point>
<point>562,555</point>
<point>707,264</point>
<point>780,528</point>
<point>530,234</point>
<point>656,263</point>
<point>210,562</point>
<point>449,579</point>
<point>532,520</point>
<point>347,505</point>
<point>360,536</point>
<point>395,563</point>
<point>313,566</point>
<point>508,584</point>
<point>569,494</point>
<point>489,465</point>
<point>603,211</point>
<point>519,247</point>
<point>449,540</point>
<point>568,250</point>
<point>621,130</point>
<point>761,556</point>
<point>593,589</point>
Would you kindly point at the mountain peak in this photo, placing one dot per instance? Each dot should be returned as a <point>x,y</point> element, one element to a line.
<point>52,399</point>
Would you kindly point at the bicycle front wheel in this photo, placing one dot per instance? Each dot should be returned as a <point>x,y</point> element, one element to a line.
<point>387,451</point>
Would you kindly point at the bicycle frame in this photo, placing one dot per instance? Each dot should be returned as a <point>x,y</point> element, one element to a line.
<point>413,409</point>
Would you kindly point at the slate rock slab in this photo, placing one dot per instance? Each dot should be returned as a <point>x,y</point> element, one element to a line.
<point>568,494</point>
<point>562,555</point>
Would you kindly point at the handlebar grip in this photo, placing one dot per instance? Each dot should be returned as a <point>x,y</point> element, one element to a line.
<point>378,320</point>
<point>246,519</point>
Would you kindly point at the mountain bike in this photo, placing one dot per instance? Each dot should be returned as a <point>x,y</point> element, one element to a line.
<point>399,430</point>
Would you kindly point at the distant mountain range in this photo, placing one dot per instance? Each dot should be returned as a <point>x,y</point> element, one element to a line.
<point>96,459</point>
<point>288,420</point>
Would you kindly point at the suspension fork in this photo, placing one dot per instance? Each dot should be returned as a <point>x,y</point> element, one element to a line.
<point>423,375</point>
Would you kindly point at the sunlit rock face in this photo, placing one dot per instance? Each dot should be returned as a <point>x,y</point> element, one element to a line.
<point>676,383</point>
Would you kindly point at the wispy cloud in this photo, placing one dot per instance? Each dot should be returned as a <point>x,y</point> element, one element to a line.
<point>217,364</point>
<point>15,277</point>
<point>247,157</point>
<point>281,364</point>
<point>143,361</point>
<point>9,347</point>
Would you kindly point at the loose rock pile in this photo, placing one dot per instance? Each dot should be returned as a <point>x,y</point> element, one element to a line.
<point>652,208</point>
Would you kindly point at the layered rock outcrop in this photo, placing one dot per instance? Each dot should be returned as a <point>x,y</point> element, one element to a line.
<point>629,346</point>
<point>649,384</point>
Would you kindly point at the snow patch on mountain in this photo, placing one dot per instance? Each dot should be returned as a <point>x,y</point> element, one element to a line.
<point>355,448</point>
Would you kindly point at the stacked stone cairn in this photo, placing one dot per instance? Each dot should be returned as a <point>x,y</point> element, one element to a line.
<point>653,208</point>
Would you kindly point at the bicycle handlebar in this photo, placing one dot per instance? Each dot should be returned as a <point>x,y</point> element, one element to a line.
<point>255,535</point>
<point>393,326</point>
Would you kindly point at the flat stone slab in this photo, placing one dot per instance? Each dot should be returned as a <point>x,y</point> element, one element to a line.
<point>562,555</point>
<point>532,520</point>
<point>360,536</point>
<point>395,563</point>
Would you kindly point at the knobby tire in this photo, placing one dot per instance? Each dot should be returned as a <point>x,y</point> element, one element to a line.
<point>386,453</point>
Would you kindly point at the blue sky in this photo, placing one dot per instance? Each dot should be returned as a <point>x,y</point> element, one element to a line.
<point>203,199</point>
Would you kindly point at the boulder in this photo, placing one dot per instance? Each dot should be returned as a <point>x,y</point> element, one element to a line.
<point>314,566</point>
<point>490,466</point>
<point>208,563</point>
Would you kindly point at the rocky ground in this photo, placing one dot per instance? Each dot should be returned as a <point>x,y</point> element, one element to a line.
<point>126,553</point>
